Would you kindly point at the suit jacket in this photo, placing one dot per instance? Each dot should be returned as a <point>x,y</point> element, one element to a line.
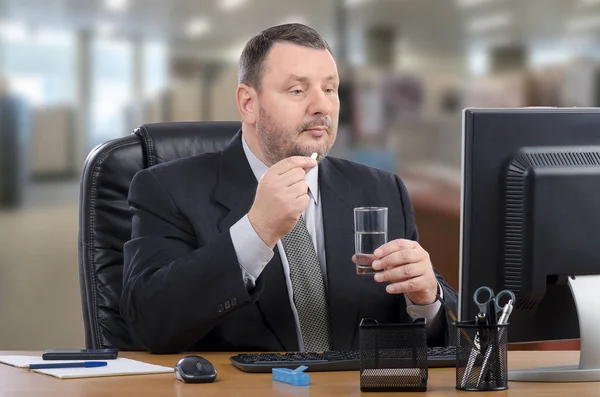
<point>183,287</point>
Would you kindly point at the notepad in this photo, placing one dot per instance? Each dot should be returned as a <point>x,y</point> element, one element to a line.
<point>116,367</point>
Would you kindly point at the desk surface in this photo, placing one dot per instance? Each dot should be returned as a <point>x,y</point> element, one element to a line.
<point>232,382</point>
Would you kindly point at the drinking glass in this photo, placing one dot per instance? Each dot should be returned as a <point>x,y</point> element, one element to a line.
<point>370,232</point>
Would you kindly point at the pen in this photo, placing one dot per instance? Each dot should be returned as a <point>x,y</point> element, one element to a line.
<point>82,364</point>
<point>450,312</point>
<point>453,317</point>
<point>480,320</point>
<point>492,319</point>
<point>506,311</point>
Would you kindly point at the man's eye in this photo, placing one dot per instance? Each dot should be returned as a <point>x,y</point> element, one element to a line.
<point>296,92</point>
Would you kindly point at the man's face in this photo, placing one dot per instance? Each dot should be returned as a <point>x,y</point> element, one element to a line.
<point>298,103</point>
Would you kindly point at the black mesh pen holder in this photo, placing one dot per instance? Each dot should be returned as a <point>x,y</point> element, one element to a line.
<point>393,357</point>
<point>481,357</point>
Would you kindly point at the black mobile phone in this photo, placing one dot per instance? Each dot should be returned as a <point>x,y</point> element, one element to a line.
<point>80,354</point>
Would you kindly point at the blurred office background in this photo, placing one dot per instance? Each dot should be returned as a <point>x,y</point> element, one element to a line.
<point>75,73</point>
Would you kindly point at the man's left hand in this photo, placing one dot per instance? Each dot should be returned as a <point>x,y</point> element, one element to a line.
<point>407,267</point>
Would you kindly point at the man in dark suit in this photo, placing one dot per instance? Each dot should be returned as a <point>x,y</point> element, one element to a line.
<point>251,248</point>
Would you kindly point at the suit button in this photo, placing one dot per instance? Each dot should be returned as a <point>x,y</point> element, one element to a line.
<point>234,302</point>
<point>227,305</point>
<point>221,309</point>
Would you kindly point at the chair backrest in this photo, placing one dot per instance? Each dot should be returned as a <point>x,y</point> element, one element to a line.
<point>105,219</point>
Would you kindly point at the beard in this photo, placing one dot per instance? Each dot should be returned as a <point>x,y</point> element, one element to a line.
<point>278,143</point>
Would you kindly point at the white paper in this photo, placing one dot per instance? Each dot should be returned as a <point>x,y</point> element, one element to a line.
<point>117,367</point>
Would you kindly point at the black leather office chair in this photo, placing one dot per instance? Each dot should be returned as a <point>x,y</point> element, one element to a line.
<point>105,220</point>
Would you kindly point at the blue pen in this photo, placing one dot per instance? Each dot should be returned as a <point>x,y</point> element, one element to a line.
<point>83,364</point>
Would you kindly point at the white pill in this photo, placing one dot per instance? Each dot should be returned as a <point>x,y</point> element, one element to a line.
<point>314,155</point>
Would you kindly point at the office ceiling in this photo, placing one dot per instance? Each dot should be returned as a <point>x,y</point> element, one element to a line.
<point>434,26</point>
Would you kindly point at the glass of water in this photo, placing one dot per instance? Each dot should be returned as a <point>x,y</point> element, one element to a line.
<point>370,232</point>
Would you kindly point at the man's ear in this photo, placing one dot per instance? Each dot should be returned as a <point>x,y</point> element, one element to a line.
<point>247,101</point>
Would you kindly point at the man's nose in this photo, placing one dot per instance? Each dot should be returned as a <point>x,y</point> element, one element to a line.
<point>320,103</point>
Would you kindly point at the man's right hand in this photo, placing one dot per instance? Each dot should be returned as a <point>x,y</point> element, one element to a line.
<point>281,197</point>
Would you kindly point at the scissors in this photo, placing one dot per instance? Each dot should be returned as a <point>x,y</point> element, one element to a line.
<point>491,307</point>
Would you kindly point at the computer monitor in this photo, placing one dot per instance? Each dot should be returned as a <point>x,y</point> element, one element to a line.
<point>530,223</point>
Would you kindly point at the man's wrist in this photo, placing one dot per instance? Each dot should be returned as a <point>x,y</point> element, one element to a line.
<point>438,292</point>
<point>252,253</point>
<point>266,237</point>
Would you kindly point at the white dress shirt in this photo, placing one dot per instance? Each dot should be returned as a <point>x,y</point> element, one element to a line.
<point>253,254</point>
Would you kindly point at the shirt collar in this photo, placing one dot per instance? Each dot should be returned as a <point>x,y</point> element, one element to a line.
<point>259,168</point>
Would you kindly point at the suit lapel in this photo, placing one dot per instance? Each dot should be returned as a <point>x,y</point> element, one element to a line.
<point>338,201</point>
<point>236,188</point>
<point>236,184</point>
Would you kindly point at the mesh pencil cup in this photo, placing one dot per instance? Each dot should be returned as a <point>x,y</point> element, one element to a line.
<point>481,356</point>
<point>393,357</point>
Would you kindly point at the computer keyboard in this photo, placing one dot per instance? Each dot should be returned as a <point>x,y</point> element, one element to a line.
<point>437,357</point>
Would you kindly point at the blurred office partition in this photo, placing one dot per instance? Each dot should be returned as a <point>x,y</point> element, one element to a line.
<point>223,106</point>
<point>381,41</point>
<point>508,58</point>
<point>155,108</point>
<point>186,98</point>
<point>52,143</point>
<point>14,135</point>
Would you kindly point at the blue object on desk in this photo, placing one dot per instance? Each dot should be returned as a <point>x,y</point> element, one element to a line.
<point>295,377</point>
<point>82,364</point>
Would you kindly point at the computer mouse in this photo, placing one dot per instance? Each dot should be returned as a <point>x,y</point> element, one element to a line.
<point>195,369</point>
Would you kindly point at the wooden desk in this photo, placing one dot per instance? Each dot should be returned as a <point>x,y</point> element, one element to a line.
<point>17,382</point>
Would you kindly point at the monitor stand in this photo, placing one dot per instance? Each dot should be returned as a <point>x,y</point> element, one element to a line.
<point>587,301</point>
